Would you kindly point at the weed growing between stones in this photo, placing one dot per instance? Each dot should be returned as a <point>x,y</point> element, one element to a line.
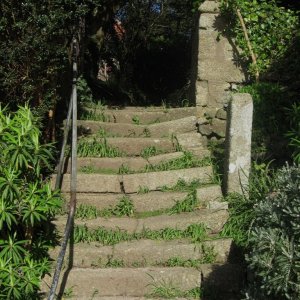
<point>125,207</point>
<point>195,232</point>
<point>97,148</point>
<point>150,151</point>
<point>136,120</point>
<point>168,290</point>
<point>175,143</point>
<point>143,190</point>
<point>183,186</point>
<point>188,160</point>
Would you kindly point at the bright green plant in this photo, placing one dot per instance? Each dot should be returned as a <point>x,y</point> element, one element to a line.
<point>274,256</point>
<point>294,133</point>
<point>27,205</point>
<point>241,207</point>
<point>97,148</point>
<point>150,151</point>
<point>271,30</point>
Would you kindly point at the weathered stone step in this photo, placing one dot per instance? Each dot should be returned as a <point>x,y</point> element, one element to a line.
<point>214,220</point>
<point>145,253</point>
<point>164,129</point>
<point>208,196</point>
<point>132,183</point>
<point>127,282</point>
<point>155,180</point>
<point>145,115</point>
<point>115,163</point>
<point>134,146</point>
<point>152,201</point>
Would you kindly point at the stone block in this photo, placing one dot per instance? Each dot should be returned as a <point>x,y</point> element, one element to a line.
<point>226,71</point>
<point>205,129</point>
<point>213,46</point>
<point>221,114</point>
<point>209,7</point>
<point>202,94</point>
<point>238,140</point>
<point>211,21</point>
<point>219,127</point>
<point>218,92</point>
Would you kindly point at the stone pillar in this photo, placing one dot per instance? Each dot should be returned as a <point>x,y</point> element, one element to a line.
<point>238,143</point>
<point>219,67</point>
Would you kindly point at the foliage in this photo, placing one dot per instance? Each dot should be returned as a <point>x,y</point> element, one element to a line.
<point>294,132</point>
<point>275,239</point>
<point>271,29</point>
<point>270,123</point>
<point>241,207</point>
<point>27,205</point>
<point>34,47</point>
<point>164,36</point>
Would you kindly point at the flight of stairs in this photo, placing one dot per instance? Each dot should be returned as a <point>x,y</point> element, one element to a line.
<point>142,230</point>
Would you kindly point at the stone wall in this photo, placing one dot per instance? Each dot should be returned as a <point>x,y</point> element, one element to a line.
<point>219,71</point>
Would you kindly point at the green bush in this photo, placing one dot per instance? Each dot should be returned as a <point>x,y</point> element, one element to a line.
<point>294,132</point>
<point>275,239</point>
<point>27,205</point>
<point>270,122</point>
<point>271,29</point>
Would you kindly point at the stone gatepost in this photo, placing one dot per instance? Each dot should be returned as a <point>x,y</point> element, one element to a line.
<point>238,143</point>
<point>219,71</point>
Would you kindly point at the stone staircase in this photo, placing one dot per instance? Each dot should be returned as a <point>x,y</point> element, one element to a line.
<point>149,214</point>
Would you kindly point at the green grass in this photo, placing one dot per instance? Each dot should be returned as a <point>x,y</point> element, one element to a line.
<point>93,115</point>
<point>195,232</point>
<point>188,160</point>
<point>125,207</point>
<point>150,151</point>
<point>94,170</point>
<point>183,186</point>
<point>97,148</point>
<point>167,290</point>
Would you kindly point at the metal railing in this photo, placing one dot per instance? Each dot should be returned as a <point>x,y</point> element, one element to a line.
<point>72,116</point>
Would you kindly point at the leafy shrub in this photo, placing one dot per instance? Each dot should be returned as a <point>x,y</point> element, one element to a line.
<point>27,205</point>
<point>270,123</point>
<point>275,239</point>
<point>241,207</point>
<point>294,132</point>
<point>271,29</point>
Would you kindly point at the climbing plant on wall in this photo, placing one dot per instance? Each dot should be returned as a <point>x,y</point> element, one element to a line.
<point>271,30</point>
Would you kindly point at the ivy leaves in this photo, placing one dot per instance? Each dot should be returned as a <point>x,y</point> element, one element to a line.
<point>271,29</point>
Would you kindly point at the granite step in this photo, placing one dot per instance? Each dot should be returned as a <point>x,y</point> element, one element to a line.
<point>145,253</point>
<point>134,146</point>
<point>132,183</point>
<point>126,282</point>
<point>115,163</point>
<point>164,129</point>
<point>141,115</point>
<point>212,219</point>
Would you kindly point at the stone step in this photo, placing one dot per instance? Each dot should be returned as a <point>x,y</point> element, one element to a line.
<point>132,183</point>
<point>145,116</point>
<point>152,201</point>
<point>134,146</point>
<point>164,129</point>
<point>214,220</point>
<point>115,163</point>
<point>208,196</point>
<point>126,282</point>
<point>145,253</point>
